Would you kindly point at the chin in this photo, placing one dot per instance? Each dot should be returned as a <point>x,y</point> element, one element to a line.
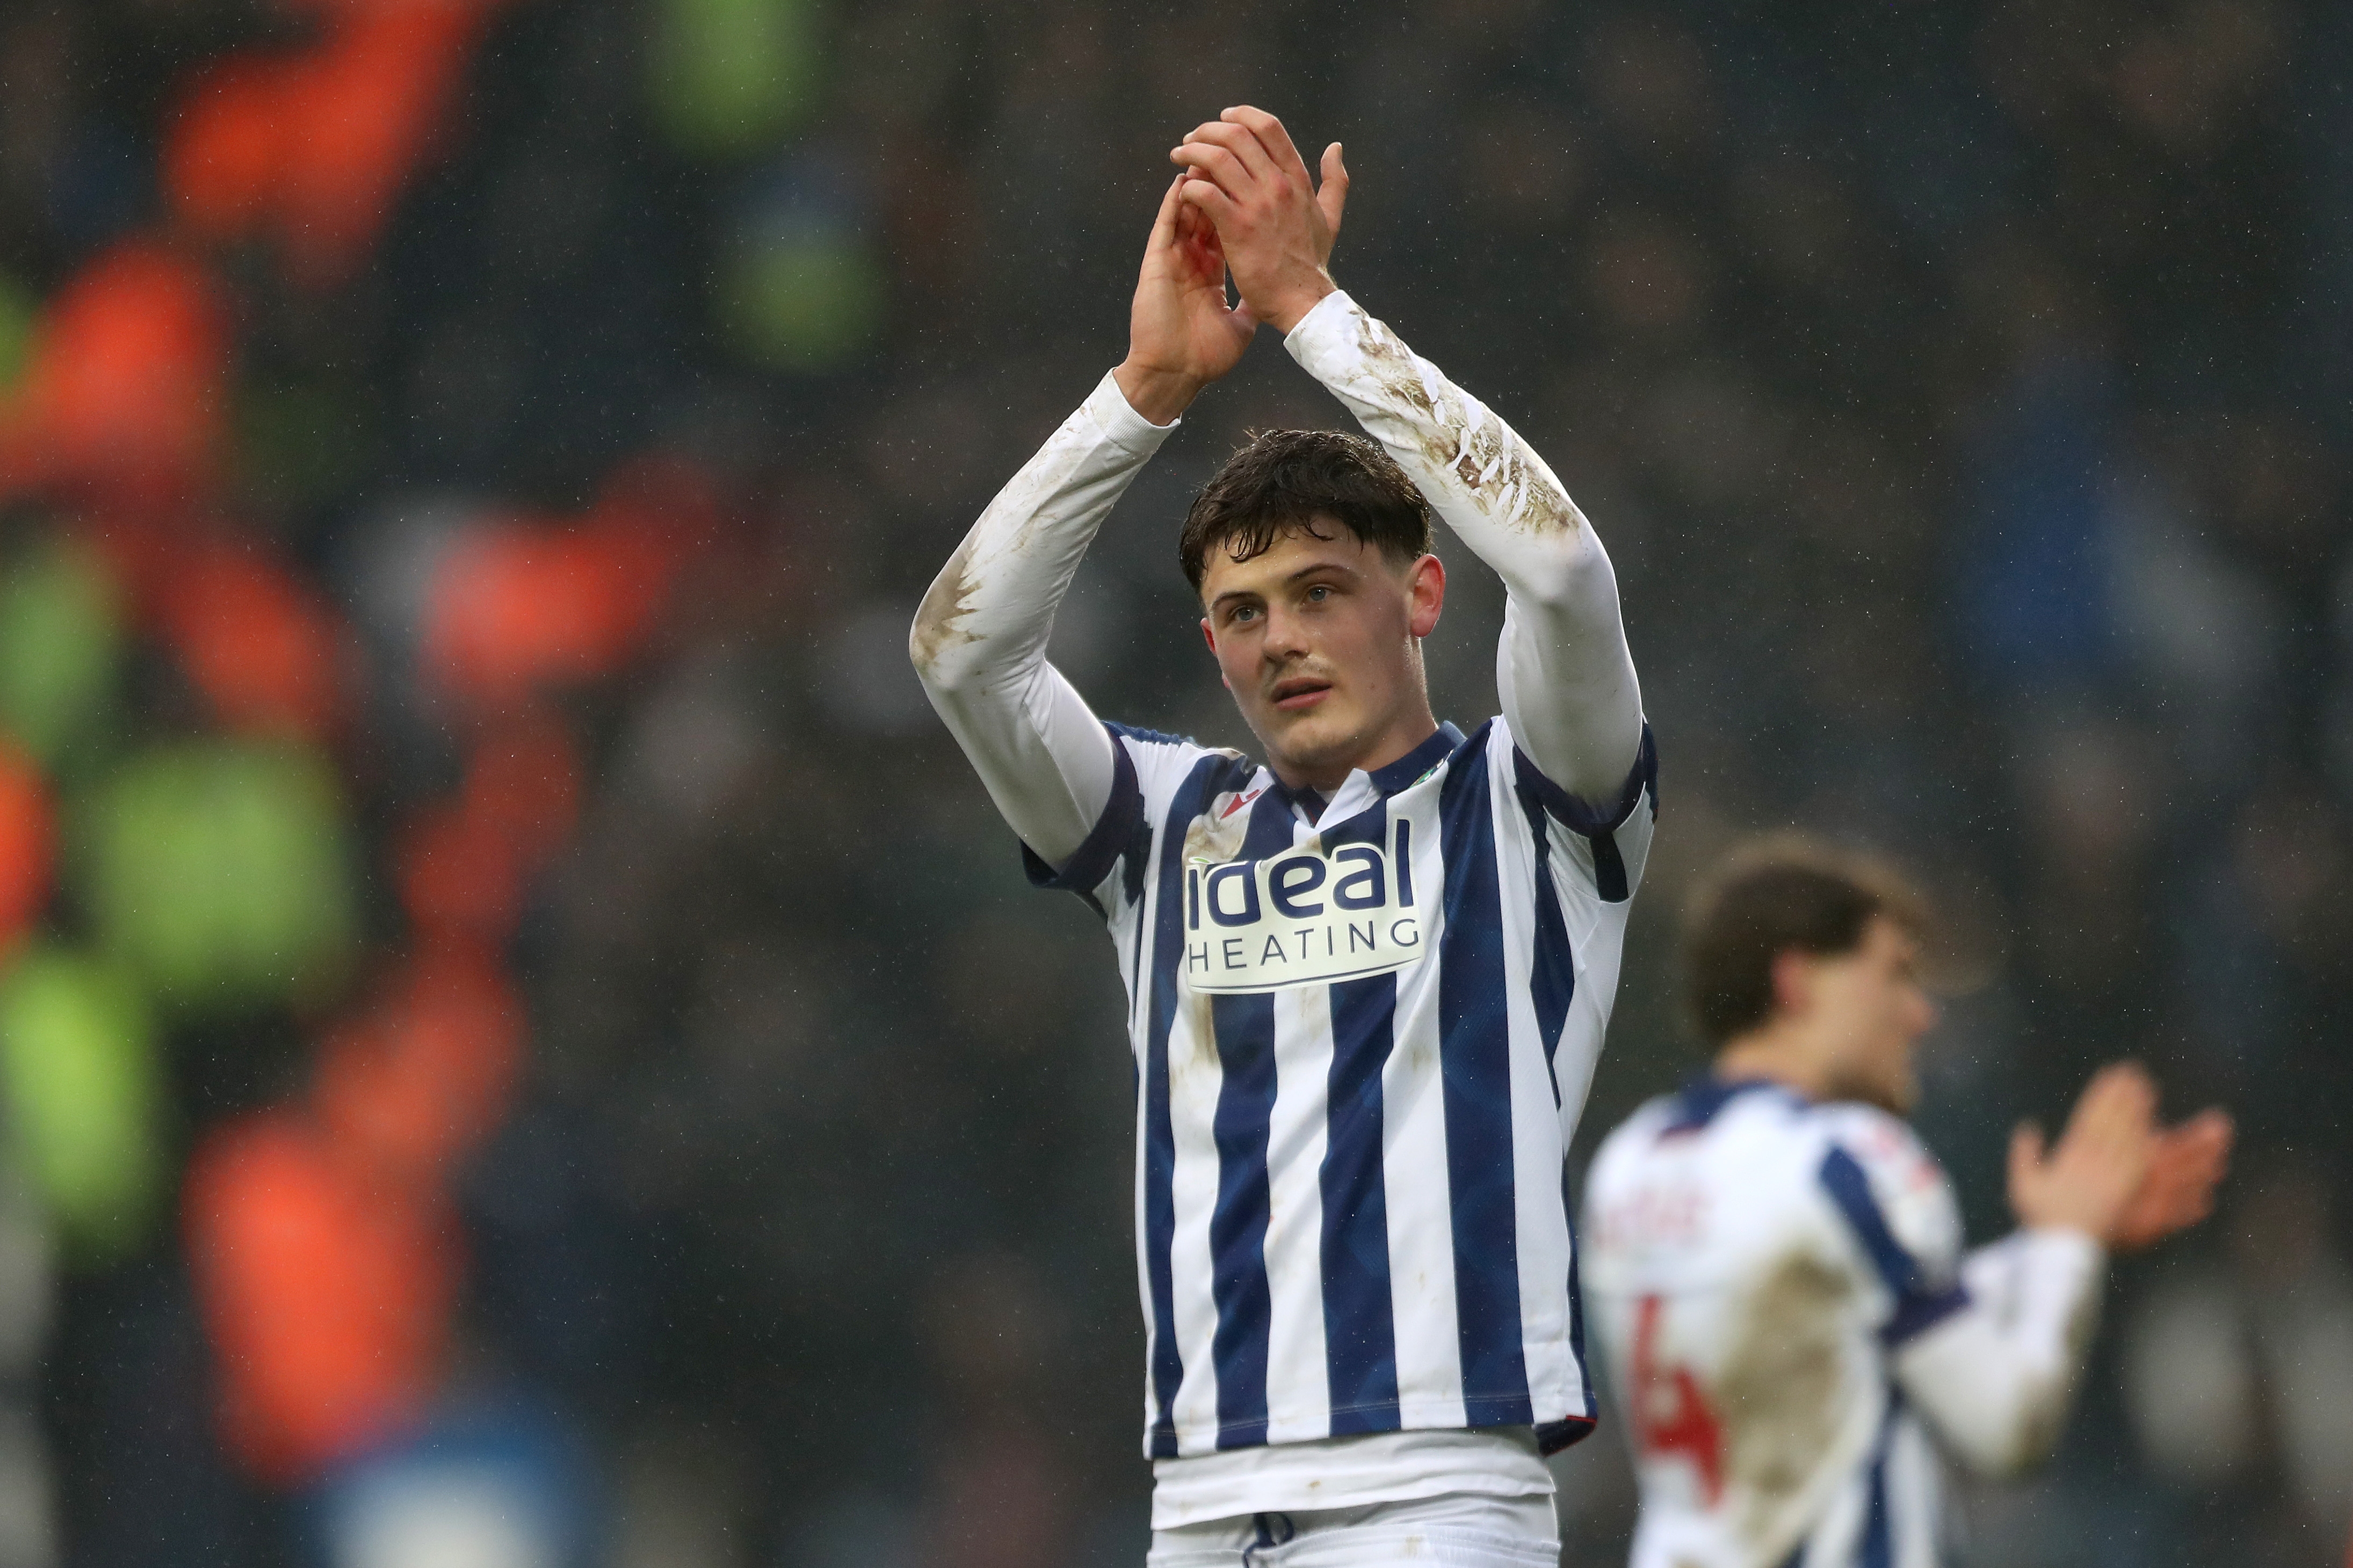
<point>1315,741</point>
<point>1897,1098</point>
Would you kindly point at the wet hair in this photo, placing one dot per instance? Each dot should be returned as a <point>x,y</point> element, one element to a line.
<point>1776,895</point>
<point>1281,481</point>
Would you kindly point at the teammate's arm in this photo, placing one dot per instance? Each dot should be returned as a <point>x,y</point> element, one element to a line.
<point>979,638</point>
<point>1998,1377</point>
<point>1563,670</point>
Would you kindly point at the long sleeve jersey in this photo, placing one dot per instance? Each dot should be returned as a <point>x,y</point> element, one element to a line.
<point>1363,1027</point>
<point>1563,672</point>
<point>1796,1334</point>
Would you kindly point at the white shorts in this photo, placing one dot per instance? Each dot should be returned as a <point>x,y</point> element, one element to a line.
<point>1455,1530</point>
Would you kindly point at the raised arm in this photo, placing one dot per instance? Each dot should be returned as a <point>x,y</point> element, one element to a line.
<point>979,638</point>
<point>1563,671</point>
<point>1998,1376</point>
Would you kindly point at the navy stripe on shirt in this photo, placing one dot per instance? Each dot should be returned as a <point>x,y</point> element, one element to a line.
<point>1114,832</point>
<point>1917,1307</point>
<point>1598,826</point>
<point>1244,1026</point>
<point>1474,1063</point>
<point>1359,1324</point>
<point>1552,973</point>
<point>1192,797</point>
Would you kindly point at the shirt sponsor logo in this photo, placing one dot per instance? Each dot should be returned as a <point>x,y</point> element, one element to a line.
<point>1308,916</point>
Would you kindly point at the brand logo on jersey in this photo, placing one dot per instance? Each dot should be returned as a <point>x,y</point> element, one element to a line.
<point>1306,917</point>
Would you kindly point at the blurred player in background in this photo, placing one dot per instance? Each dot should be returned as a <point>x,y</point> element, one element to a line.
<point>1367,980</point>
<point>1774,1261</point>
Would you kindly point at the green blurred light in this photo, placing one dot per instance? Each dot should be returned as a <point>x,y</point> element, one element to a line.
<point>804,302</point>
<point>78,1062</point>
<point>60,645</point>
<point>731,75</point>
<point>19,312</point>
<point>221,873</point>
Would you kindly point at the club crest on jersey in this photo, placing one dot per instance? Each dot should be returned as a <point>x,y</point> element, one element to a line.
<point>1309,916</point>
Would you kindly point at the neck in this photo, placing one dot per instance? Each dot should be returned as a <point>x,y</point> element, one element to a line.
<point>1776,1055</point>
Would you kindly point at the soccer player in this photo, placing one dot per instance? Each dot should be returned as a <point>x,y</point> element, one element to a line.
<point>1368,977</point>
<point>1774,1262</point>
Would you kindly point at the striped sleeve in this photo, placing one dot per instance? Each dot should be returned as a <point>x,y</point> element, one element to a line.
<point>1107,870</point>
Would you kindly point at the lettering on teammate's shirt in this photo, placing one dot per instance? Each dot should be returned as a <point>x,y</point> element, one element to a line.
<point>1308,916</point>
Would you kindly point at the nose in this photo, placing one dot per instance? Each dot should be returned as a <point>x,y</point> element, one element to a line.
<point>1286,635</point>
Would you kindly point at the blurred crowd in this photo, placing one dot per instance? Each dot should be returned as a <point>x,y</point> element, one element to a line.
<point>523,1046</point>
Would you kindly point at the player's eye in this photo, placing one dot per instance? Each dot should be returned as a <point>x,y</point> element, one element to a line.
<point>1318,594</point>
<point>1244,613</point>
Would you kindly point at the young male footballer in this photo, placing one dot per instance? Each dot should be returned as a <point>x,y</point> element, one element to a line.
<point>1368,977</point>
<point>1776,1263</point>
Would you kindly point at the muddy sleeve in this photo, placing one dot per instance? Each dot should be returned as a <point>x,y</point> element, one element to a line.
<point>1562,670</point>
<point>979,638</point>
<point>1997,1378</point>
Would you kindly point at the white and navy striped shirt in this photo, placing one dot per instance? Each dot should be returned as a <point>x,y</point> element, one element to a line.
<point>1793,1332</point>
<point>1363,1031</point>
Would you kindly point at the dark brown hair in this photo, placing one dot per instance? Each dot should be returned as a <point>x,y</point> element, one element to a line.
<point>1778,894</point>
<point>1282,481</point>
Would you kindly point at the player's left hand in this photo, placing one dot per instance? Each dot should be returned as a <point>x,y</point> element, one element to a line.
<point>2085,1182</point>
<point>2178,1191</point>
<point>1277,224</point>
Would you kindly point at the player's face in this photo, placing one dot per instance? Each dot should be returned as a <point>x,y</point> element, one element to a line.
<point>1319,640</point>
<point>1869,1007</point>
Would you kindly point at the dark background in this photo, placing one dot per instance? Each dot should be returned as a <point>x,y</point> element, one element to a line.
<point>1959,389</point>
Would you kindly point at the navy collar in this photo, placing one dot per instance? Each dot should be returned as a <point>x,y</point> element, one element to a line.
<point>1410,767</point>
<point>1699,1101</point>
<point>1312,801</point>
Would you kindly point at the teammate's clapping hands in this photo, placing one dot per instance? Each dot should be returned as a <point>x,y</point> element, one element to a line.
<point>2115,1175</point>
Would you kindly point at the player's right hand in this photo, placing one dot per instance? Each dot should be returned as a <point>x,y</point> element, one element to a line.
<point>1278,224</point>
<point>2178,1192</point>
<point>1181,333</point>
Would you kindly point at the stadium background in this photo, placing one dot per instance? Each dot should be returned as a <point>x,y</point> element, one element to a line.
<point>522,1042</point>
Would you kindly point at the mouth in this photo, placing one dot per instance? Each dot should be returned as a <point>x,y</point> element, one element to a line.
<point>1298,693</point>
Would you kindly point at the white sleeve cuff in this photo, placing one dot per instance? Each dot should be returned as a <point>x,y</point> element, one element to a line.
<point>2066,1253</point>
<point>1121,426</point>
<point>1323,330</point>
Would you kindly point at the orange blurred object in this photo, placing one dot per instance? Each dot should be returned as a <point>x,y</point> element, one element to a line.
<point>523,783</point>
<point>519,606</point>
<point>457,878</point>
<point>464,865</point>
<point>122,395</point>
<point>327,1295</point>
<point>428,1070</point>
<point>315,147</point>
<point>221,156</point>
<point>27,843</point>
<point>267,651</point>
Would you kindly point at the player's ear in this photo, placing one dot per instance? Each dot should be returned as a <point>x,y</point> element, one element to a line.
<point>1426,584</point>
<point>1793,983</point>
<point>1212,639</point>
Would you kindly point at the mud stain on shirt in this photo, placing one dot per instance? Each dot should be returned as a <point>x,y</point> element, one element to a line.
<point>1485,455</point>
<point>938,620</point>
<point>1211,838</point>
<point>1782,1386</point>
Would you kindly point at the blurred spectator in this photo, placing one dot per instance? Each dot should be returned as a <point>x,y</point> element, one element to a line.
<point>2236,1370</point>
<point>468,838</point>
